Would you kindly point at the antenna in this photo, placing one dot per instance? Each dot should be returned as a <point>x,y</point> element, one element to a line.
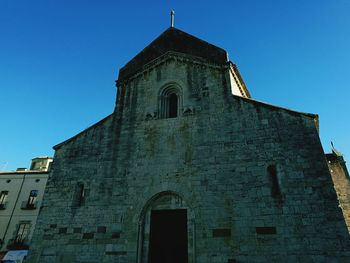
<point>172,17</point>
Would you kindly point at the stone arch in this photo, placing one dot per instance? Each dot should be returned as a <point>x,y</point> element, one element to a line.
<point>170,100</point>
<point>165,200</point>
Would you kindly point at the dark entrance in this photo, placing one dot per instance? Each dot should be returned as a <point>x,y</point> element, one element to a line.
<point>168,236</point>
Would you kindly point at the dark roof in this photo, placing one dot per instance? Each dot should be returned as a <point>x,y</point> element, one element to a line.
<point>173,40</point>
<point>23,172</point>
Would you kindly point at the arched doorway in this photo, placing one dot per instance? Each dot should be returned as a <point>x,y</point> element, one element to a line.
<point>166,230</point>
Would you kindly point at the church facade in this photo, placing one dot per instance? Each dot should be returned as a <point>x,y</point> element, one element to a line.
<point>189,168</point>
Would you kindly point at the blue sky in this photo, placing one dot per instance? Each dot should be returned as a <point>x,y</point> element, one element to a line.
<point>59,61</point>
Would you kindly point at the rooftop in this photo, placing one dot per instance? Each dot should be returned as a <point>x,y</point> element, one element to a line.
<point>176,40</point>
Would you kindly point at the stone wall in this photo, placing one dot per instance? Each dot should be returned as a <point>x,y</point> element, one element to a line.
<point>340,177</point>
<point>252,177</point>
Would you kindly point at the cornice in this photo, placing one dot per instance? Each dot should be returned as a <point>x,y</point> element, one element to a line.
<point>168,56</point>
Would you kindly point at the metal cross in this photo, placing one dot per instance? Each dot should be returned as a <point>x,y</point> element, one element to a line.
<point>172,17</point>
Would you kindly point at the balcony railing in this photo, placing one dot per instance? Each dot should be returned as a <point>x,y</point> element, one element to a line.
<point>18,245</point>
<point>28,206</point>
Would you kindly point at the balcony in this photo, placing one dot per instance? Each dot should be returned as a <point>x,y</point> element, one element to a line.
<point>18,245</point>
<point>28,206</point>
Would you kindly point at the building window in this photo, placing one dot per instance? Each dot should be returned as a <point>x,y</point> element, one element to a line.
<point>170,102</point>
<point>79,195</point>
<point>31,203</point>
<point>22,233</point>
<point>3,198</point>
<point>273,178</point>
<point>32,198</point>
<point>172,106</point>
<point>19,242</point>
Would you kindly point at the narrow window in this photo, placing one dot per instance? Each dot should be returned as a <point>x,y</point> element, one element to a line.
<point>172,105</point>
<point>3,198</point>
<point>22,233</point>
<point>275,188</point>
<point>32,198</point>
<point>79,195</point>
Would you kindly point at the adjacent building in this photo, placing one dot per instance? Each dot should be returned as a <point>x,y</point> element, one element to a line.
<point>21,194</point>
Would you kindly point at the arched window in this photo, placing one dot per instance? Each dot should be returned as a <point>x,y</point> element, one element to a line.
<point>172,106</point>
<point>170,102</point>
